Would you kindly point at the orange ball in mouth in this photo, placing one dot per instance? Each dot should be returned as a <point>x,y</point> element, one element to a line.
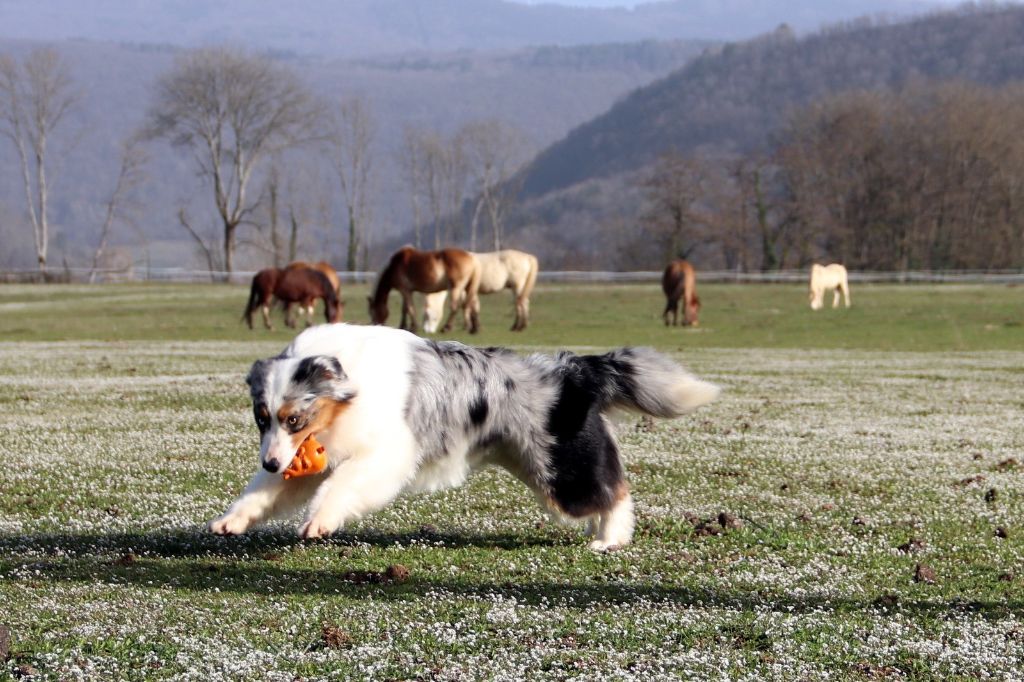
<point>311,458</point>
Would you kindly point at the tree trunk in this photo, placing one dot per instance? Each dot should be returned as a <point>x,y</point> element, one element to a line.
<point>229,249</point>
<point>353,241</point>
<point>293,240</point>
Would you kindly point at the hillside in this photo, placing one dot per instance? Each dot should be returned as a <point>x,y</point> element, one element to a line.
<point>543,92</point>
<point>356,28</point>
<point>732,98</point>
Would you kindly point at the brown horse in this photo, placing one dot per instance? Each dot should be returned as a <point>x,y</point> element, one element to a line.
<point>680,282</point>
<point>260,294</point>
<point>409,270</point>
<point>292,285</point>
<point>322,266</point>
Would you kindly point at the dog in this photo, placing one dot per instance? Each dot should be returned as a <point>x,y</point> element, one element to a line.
<point>399,413</point>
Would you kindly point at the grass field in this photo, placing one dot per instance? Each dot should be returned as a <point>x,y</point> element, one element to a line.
<point>868,465</point>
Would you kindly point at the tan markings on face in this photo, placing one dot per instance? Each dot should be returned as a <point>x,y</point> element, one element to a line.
<point>325,411</point>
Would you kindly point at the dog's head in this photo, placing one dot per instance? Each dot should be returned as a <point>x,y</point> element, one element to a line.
<point>293,398</point>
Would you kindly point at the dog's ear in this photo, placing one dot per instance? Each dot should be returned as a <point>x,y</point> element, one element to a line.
<point>323,377</point>
<point>257,377</point>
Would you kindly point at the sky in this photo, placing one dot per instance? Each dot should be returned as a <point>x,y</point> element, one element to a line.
<point>633,3</point>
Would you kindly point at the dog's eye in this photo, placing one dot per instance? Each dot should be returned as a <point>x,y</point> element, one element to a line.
<point>293,420</point>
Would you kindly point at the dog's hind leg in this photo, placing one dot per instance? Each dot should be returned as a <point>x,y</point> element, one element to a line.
<point>266,495</point>
<point>614,527</point>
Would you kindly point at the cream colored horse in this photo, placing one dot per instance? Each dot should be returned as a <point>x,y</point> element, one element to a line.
<point>825,278</point>
<point>499,270</point>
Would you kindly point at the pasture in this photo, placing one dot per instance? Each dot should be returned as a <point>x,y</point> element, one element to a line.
<point>849,508</point>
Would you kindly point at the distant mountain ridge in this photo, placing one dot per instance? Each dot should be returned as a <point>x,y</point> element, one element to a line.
<point>732,98</point>
<point>354,28</point>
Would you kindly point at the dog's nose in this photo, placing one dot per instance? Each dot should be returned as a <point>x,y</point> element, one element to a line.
<point>270,465</point>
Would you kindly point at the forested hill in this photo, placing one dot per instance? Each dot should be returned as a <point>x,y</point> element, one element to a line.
<point>733,98</point>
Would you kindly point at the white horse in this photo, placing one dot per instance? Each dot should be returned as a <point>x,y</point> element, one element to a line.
<point>824,278</point>
<point>499,270</point>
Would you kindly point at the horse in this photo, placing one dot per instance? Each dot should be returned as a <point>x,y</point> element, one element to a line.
<point>329,272</point>
<point>679,282</point>
<point>824,278</point>
<point>452,270</point>
<point>499,270</point>
<point>322,266</point>
<point>260,294</point>
<point>296,285</point>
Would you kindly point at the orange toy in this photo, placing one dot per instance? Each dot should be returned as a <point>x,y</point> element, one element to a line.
<point>311,458</point>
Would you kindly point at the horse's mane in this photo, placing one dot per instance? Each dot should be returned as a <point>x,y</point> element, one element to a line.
<point>384,286</point>
<point>330,295</point>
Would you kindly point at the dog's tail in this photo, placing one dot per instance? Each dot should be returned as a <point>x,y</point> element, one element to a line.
<point>644,380</point>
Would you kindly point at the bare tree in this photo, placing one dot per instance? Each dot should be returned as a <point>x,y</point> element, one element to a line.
<point>494,151</point>
<point>673,187</point>
<point>130,175</point>
<point>411,161</point>
<point>351,136</point>
<point>435,167</point>
<point>230,110</point>
<point>293,192</point>
<point>35,98</point>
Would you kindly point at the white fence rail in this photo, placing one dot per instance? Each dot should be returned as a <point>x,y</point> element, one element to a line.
<point>185,275</point>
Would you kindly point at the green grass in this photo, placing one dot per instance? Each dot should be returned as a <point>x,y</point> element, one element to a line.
<point>841,435</point>
<point>883,317</point>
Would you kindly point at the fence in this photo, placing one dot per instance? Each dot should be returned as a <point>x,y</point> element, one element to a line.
<point>183,275</point>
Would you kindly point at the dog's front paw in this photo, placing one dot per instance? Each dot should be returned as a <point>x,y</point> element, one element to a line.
<point>230,524</point>
<point>316,528</point>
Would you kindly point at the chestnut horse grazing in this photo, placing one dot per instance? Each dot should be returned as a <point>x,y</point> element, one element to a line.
<point>292,285</point>
<point>260,294</point>
<point>679,282</point>
<point>409,270</point>
<point>323,266</point>
<point>329,272</point>
<point>499,270</point>
<point>824,278</point>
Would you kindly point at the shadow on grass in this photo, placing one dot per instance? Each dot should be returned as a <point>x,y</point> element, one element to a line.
<point>191,560</point>
<point>194,542</point>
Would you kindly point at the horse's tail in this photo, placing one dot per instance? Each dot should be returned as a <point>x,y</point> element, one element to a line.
<point>639,379</point>
<point>254,299</point>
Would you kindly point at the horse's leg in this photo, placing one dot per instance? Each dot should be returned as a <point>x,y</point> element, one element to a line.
<point>473,305</point>
<point>409,312</point>
<point>454,300</point>
<point>310,306</point>
<point>846,293</point>
<point>265,309</point>
<point>671,310</point>
<point>835,296</point>
<point>471,315</point>
<point>524,305</point>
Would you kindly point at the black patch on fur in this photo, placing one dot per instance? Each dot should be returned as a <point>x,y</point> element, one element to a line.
<point>315,369</point>
<point>322,376</point>
<point>584,460</point>
<point>510,384</point>
<point>478,410</point>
